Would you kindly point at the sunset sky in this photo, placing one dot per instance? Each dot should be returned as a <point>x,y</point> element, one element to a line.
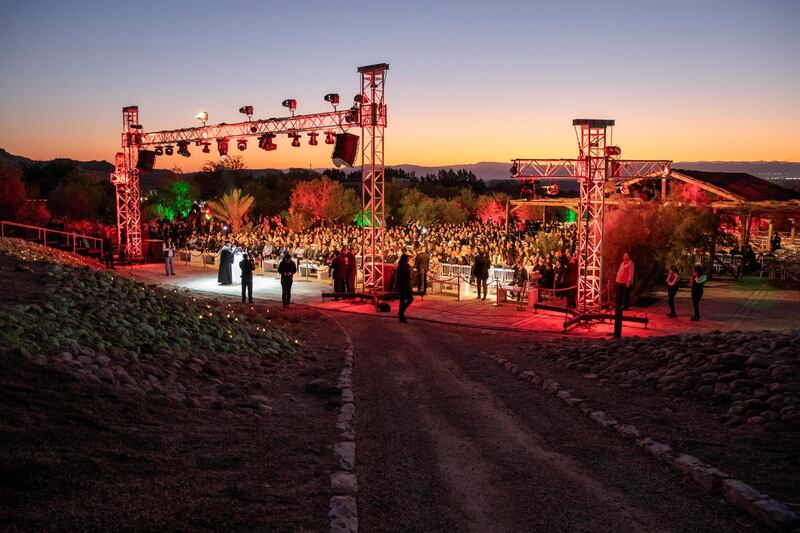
<point>469,81</point>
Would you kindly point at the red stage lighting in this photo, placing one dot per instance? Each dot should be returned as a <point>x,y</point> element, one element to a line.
<point>329,137</point>
<point>246,110</point>
<point>241,144</point>
<point>333,99</point>
<point>345,150</point>
<point>222,147</point>
<point>312,138</point>
<point>295,139</point>
<point>265,142</point>
<point>290,104</point>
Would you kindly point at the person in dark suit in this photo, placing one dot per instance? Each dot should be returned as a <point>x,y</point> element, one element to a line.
<point>247,267</point>
<point>480,271</point>
<point>225,274</point>
<point>421,264</point>
<point>338,273</point>
<point>351,269</point>
<point>571,281</point>
<point>403,280</point>
<point>287,270</point>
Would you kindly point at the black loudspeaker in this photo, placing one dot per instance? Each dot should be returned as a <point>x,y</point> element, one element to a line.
<point>147,158</point>
<point>345,149</point>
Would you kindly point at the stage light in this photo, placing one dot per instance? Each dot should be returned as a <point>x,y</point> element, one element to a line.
<point>290,104</point>
<point>241,144</point>
<point>357,99</point>
<point>350,117</point>
<point>222,147</point>
<point>206,148</point>
<point>265,142</point>
<point>183,149</point>
<point>552,190</point>
<point>295,139</point>
<point>329,137</point>
<point>253,128</point>
<point>159,150</point>
<point>333,99</point>
<point>168,150</point>
<point>246,110</point>
<point>345,150</point>
<point>202,116</point>
<point>312,138</point>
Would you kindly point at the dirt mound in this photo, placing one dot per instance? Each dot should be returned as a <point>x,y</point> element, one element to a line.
<point>101,327</point>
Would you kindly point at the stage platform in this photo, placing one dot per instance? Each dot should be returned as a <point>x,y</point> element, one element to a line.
<point>752,305</point>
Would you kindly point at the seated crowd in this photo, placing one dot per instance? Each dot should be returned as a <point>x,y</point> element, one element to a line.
<point>455,244</point>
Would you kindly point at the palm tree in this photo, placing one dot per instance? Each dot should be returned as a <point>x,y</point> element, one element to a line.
<point>232,207</point>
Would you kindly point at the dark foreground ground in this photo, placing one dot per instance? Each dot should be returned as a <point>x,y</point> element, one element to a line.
<point>81,456</point>
<point>449,441</point>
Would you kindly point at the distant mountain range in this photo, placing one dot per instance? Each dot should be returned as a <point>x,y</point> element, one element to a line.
<point>781,171</point>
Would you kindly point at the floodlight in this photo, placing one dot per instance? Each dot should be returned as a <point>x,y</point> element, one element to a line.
<point>241,144</point>
<point>333,99</point>
<point>295,139</point>
<point>222,146</point>
<point>246,110</point>
<point>183,149</point>
<point>202,116</point>
<point>265,142</point>
<point>312,138</point>
<point>159,150</point>
<point>168,150</point>
<point>290,104</point>
<point>329,137</point>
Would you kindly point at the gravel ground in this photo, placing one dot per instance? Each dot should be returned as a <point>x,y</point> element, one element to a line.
<point>448,441</point>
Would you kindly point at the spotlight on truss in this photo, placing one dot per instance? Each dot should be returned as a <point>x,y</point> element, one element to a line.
<point>295,139</point>
<point>206,148</point>
<point>247,110</point>
<point>168,150</point>
<point>265,142</point>
<point>241,144</point>
<point>159,150</point>
<point>183,149</point>
<point>222,147</point>
<point>312,138</point>
<point>333,99</point>
<point>329,137</point>
<point>290,104</point>
<point>202,116</point>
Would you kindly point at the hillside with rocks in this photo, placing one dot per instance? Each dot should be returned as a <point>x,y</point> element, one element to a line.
<point>128,406</point>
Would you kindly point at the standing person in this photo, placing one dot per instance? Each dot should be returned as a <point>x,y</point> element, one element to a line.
<point>571,282</point>
<point>480,270</point>
<point>339,273</point>
<point>673,279</point>
<point>698,282</point>
<point>287,270</point>
<point>421,264</point>
<point>624,281</point>
<point>351,269</point>
<point>108,251</point>
<point>403,277</point>
<point>225,274</point>
<point>169,256</point>
<point>247,266</point>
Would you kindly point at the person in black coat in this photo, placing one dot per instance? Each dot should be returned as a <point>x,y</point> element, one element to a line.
<point>403,278</point>
<point>480,271</point>
<point>247,267</point>
<point>421,264</point>
<point>225,275</point>
<point>287,270</point>
<point>351,269</point>
<point>673,280</point>
<point>339,273</point>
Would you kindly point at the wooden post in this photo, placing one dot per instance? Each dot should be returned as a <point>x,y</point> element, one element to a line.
<point>663,191</point>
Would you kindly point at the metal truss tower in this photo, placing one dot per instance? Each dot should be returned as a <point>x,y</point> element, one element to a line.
<point>373,122</point>
<point>368,112</point>
<point>126,184</point>
<point>597,165</point>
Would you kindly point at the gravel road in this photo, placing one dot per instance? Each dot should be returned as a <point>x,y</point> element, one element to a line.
<point>447,441</point>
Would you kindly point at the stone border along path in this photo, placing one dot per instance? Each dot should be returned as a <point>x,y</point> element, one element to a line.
<point>769,511</point>
<point>343,511</point>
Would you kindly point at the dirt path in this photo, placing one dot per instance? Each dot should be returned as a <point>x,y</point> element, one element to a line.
<point>447,441</point>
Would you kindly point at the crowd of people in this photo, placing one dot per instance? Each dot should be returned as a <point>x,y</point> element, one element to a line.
<point>456,244</point>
